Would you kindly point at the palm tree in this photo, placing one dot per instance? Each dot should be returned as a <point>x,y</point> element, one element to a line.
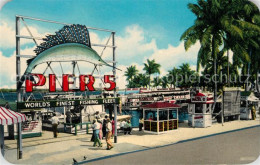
<point>212,24</point>
<point>186,73</point>
<point>141,80</point>
<point>165,82</point>
<point>151,67</point>
<point>157,81</point>
<point>172,76</point>
<point>250,13</point>
<point>130,73</point>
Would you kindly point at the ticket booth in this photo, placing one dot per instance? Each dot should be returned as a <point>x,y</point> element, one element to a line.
<point>200,110</point>
<point>160,117</point>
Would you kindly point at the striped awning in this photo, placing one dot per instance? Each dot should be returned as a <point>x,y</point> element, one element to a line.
<point>9,117</point>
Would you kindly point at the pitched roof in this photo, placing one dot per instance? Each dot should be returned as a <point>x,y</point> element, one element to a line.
<point>8,117</point>
<point>161,105</point>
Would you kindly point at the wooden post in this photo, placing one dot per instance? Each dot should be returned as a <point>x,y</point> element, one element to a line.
<point>157,120</point>
<point>2,144</point>
<point>144,118</point>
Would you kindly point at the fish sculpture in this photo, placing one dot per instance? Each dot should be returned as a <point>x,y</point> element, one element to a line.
<point>71,43</point>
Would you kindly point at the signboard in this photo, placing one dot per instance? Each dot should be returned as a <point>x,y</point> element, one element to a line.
<point>180,97</point>
<point>29,83</point>
<point>146,99</point>
<point>62,103</point>
<point>199,99</point>
<point>231,103</point>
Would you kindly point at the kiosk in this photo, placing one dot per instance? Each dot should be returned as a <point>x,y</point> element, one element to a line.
<point>200,110</point>
<point>160,117</point>
<point>248,100</point>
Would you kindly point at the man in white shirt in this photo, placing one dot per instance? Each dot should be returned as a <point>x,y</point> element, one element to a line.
<point>122,125</point>
<point>109,134</point>
<point>55,123</point>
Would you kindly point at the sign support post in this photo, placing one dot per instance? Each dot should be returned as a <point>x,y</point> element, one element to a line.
<point>114,73</point>
<point>18,75</point>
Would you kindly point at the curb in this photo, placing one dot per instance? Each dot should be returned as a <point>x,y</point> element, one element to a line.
<point>182,141</point>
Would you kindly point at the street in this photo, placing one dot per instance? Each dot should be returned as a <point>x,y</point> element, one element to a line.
<point>239,147</point>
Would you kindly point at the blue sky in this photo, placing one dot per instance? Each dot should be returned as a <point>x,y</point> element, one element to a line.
<point>165,19</point>
<point>145,29</point>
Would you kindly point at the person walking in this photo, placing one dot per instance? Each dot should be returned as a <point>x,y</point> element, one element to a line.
<point>141,124</point>
<point>109,134</point>
<point>128,128</point>
<point>96,127</point>
<point>104,126</point>
<point>100,130</point>
<point>93,137</point>
<point>113,128</point>
<point>253,112</point>
<point>55,123</point>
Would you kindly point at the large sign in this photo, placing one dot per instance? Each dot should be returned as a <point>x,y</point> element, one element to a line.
<point>63,103</point>
<point>83,84</point>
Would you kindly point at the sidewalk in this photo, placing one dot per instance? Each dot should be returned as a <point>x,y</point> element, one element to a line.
<point>61,150</point>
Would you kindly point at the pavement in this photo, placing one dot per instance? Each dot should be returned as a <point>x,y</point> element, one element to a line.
<point>61,150</point>
<point>236,147</point>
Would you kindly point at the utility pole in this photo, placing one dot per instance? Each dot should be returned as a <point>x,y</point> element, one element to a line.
<point>115,93</point>
<point>18,75</point>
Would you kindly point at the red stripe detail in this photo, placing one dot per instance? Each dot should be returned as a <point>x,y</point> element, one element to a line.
<point>8,115</point>
<point>24,117</point>
<point>21,115</point>
<point>4,116</point>
<point>13,113</point>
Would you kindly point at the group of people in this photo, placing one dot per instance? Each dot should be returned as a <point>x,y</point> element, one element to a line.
<point>103,129</point>
<point>126,126</point>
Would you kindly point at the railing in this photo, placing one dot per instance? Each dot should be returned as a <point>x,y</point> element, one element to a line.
<point>76,127</point>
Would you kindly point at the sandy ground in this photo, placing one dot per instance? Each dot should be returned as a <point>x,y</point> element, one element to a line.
<point>61,150</point>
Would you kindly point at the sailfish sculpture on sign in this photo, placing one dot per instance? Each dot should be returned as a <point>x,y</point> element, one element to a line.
<point>71,43</point>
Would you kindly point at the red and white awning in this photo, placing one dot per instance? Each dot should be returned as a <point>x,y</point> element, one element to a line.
<point>9,117</point>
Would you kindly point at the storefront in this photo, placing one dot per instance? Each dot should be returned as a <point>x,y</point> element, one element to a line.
<point>160,117</point>
<point>200,110</point>
<point>33,126</point>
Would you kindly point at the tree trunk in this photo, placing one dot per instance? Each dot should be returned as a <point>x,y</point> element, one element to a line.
<point>248,70</point>
<point>228,69</point>
<point>215,69</point>
<point>149,81</point>
<point>257,81</point>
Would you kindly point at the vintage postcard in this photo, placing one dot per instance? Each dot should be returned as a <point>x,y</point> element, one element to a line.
<point>129,82</point>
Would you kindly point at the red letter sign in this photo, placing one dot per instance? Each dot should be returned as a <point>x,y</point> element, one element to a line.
<point>29,84</point>
<point>52,83</point>
<point>112,83</point>
<point>90,83</point>
<point>66,82</point>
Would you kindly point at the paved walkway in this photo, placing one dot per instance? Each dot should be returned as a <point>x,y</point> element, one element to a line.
<point>61,150</point>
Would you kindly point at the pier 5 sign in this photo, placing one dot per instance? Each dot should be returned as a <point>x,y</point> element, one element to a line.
<point>83,83</point>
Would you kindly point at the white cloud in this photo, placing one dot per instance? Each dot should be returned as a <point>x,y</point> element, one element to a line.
<point>3,2</point>
<point>8,68</point>
<point>133,46</point>
<point>7,71</point>
<point>175,56</point>
<point>7,35</point>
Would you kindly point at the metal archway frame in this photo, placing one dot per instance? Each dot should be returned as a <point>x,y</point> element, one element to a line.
<point>19,57</point>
